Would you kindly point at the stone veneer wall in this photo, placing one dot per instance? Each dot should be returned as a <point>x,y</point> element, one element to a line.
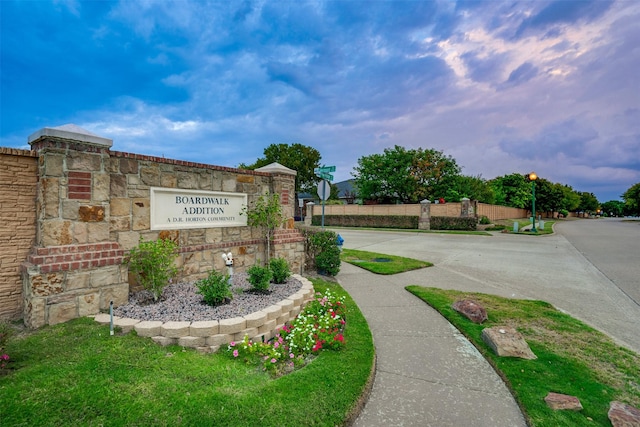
<point>18,183</point>
<point>93,205</point>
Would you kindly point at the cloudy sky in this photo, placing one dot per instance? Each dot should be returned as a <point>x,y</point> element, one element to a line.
<point>501,86</point>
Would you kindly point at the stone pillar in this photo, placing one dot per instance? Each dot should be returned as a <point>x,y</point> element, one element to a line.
<point>466,210</point>
<point>308,219</point>
<point>424,223</point>
<point>74,269</point>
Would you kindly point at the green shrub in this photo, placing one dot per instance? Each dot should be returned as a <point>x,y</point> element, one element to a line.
<point>259,277</point>
<point>325,251</point>
<point>372,221</point>
<point>564,212</point>
<point>280,270</point>
<point>152,263</point>
<point>453,223</point>
<point>215,288</point>
<point>484,220</point>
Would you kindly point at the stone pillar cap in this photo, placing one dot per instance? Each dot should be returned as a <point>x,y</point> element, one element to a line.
<point>73,132</point>
<point>425,201</point>
<point>276,167</point>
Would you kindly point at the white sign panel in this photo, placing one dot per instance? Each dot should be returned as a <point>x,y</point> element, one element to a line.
<point>173,208</point>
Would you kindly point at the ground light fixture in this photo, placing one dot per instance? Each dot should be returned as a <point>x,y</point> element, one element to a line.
<point>532,177</point>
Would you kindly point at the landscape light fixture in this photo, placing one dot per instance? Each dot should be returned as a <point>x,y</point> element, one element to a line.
<point>532,177</point>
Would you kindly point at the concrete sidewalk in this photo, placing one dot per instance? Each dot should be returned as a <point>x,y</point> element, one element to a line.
<point>427,373</point>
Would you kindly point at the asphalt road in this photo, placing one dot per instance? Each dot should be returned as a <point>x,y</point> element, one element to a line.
<point>612,245</point>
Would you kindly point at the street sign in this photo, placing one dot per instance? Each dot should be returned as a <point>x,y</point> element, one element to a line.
<point>324,189</point>
<point>324,175</point>
<point>323,172</point>
<point>325,169</point>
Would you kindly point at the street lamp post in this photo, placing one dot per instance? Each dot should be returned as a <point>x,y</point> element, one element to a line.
<point>532,177</point>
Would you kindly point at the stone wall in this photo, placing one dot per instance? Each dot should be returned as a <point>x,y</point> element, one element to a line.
<point>93,204</point>
<point>18,182</point>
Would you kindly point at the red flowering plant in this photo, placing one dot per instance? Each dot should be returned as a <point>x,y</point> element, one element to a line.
<point>5,333</point>
<point>318,327</point>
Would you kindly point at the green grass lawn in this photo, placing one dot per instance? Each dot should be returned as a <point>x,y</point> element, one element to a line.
<point>508,225</point>
<point>381,264</point>
<point>77,374</point>
<point>573,358</point>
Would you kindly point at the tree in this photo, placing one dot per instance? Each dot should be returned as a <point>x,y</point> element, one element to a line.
<point>588,202</point>
<point>632,199</point>
<point>512,190</point>
<point>548,196</point>
<point>301,158</point>
<point>266,213</point>
<point>613,208</point>
<point>570,198</point>
<point>404,176</point>
<point>471,187</point>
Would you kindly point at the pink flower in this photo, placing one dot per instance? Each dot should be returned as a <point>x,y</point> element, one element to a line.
<point>273,360</point>
<point>235,353</point>
<point>232,343</point>
<point>276,344</point>
<point>291,355</point>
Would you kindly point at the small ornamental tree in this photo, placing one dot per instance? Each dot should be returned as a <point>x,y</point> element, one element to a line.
<point>152,263</point>
<point>266,214</point>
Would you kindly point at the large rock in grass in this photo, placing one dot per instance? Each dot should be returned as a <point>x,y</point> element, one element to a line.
<point>506,341</point>
<point>559,401</point>
<point>472,310</point>
<point>623,415</point>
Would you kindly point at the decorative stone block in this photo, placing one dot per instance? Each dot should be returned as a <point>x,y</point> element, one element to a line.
<point>175,329</point>
<point>293,313</point>
<point>256,319</point>
<point>283,319</point>
<point>233,325</point>
<point>148,328</point>
<point>219,339</point>
<point>273,311</point>
<point>126,324</point>
<point>297,299</point>
<point>104,318</point>
<point>191,342</point>
<point>268,326</point>
<point>286,305</point>
<point>250,332</point>
<point>204,328</point>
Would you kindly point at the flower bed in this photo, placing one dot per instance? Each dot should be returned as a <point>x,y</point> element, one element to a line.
<point>208,336</point>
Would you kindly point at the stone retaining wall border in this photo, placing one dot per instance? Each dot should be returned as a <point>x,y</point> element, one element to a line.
<point>208,336</point>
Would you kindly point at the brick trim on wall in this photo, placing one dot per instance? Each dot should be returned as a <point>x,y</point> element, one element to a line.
<point>53,259</point>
